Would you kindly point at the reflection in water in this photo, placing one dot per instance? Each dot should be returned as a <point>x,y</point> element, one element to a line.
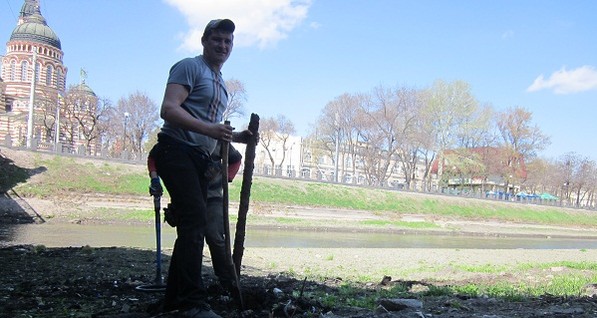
<point>57,235</point>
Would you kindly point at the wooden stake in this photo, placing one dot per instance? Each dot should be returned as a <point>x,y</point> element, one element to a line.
<point>245,193</point>
<point>224,149</point>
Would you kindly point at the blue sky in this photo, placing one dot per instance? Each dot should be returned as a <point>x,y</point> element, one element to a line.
<point>296,56</point>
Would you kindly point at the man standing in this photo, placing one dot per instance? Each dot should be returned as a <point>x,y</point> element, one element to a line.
<point>192,109</point>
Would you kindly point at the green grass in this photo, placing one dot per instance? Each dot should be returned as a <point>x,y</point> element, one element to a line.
<point>354,291</point>
<point>65,175</point>
<point>591,266</point>
<point>394,203</point>
<point>485,268</point>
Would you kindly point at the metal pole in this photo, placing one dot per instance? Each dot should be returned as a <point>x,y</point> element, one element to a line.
<point>159,279</point>
<point>31,100</point>
<point>57,137</point>
<point>337,147</point>
<point>126,118</point>
<point>158,284</point>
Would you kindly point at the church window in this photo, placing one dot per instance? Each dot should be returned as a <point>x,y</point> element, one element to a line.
<point>49,74</point>
<point>13,70</point>
<point>24,67</point>
<point>37,71</point>
<point>59,79</point>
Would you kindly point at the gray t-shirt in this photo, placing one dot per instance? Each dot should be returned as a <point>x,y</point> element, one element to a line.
<point>207,100</point>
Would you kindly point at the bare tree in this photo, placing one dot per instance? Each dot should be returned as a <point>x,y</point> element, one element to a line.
<point>338,129</point>
<point>380,116</point>
<point>448,108</point>
<point>539,174</point>
<point>520,141</point>
<point>450,105</point>
<point>519,134</point>
<point>237,96</point>
<point>285,130</point>
<point>48,105</point>
<point>275,132</point>
<point>408,132</point>
<point>576,178</point>
<point>136,116</point>
<point>476,130</point>
<point>267,127</point>
<point>82,116</point>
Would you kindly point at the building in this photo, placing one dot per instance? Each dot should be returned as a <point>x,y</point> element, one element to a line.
<point>481,169</point>
<point>33,81</point>
<point>308,159</point>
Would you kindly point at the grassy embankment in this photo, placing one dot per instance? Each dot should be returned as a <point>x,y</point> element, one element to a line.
<point>63,176</point>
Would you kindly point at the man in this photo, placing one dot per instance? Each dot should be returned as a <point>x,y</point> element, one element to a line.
<point>193,104</point>
<point>215,231</point>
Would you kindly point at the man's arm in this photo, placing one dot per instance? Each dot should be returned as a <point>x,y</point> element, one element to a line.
<point>172,112</point>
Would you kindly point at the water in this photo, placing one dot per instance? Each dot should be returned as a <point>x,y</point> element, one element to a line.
<point>59,235</point>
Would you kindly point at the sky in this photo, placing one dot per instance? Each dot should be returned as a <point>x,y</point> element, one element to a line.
<point>295,56</point>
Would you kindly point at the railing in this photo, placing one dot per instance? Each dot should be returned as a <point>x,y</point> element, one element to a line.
<point>266,171</point>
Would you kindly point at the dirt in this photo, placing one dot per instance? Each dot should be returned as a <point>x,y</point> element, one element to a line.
<point>104,282</point>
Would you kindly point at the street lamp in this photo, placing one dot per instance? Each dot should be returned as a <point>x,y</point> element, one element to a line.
<point>337,155</point>
<point>31,98</point>
<point>126,119</point>
<point>57,137</point>
<point>291,168</point>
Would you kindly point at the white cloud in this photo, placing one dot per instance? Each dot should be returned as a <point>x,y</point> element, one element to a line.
<point>258,22</point>
<point>565,81</point>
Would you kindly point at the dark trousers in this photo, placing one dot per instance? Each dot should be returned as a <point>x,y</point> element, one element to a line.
<point>216,241</point>
<point>182,171</point>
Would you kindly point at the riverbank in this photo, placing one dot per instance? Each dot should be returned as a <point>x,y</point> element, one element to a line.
<point>112,209</point>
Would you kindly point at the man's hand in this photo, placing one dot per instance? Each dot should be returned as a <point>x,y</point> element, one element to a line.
<point>155,187</point>
<point>219,131</point>
<point>243,136</point>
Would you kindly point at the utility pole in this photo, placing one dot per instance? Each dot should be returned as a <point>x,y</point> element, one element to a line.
<point>337,124</point>
<point>126,119</point>
<point>31,100</point>
<point>57,137</point>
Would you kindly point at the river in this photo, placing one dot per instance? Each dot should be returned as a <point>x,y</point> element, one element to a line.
<point>141,236</point>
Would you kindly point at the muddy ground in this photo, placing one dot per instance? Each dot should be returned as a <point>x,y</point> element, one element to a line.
<point>104,282</point>
<point>36,281</point>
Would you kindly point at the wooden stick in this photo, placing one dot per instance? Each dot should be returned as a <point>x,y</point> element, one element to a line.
<point>224,149</point>
<point>245,193</point>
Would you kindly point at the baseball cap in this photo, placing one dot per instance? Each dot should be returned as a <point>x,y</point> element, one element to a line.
<point>219,24</point>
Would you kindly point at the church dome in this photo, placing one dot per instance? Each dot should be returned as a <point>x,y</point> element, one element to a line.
<point>35,29</point>
<point>85,89</point>
<point>32,26</point>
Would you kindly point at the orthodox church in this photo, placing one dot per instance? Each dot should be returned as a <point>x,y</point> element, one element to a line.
<point>33,84</point>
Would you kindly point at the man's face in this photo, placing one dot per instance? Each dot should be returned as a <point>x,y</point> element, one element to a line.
<point>217,46</point>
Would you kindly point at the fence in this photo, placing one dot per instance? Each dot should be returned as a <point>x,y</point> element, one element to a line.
<point>266,171</point>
